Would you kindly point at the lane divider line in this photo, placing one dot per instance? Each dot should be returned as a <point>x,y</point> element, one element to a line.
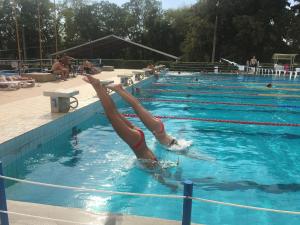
<point>225,87</point>
<point>221,121</point>
<point>209,92</point>
<point>216,103</point>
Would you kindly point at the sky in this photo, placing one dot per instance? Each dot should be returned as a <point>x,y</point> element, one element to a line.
<point>170,4</point>
<point>166,4</point>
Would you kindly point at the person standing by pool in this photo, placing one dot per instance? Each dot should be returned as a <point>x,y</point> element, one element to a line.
<point>131,134</point>
<point>253,63</point>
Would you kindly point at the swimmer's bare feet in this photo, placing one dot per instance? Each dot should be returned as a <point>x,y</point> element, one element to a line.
<point>93,81</point>
<point>115,87</point>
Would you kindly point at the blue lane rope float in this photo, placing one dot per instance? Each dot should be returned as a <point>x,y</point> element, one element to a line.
<point>227,93</point>
<point>217,103</point>
<point>221,121</point>
<point>147,195</point>
<point>225,87</point>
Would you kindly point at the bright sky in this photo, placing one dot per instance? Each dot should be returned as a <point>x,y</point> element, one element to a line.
<point>166,4</point>
<point>170,4</point>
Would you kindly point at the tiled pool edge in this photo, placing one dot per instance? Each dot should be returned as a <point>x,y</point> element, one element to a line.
<point>30,140</point>
<point>75,214</point>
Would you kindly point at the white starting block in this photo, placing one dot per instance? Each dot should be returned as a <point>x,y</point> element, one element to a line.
<point>60,100</point>
<point>107,82</point>
<point>138,75</point>
<point>148,72</point>
<point>126,79</point>
<point>160,67</point>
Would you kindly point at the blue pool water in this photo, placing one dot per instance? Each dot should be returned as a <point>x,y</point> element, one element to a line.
<point>244,164</point>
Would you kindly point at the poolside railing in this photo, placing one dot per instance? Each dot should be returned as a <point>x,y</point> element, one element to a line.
<point>186,197</point>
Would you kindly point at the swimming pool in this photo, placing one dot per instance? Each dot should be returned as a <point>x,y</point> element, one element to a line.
<point>241,163</point>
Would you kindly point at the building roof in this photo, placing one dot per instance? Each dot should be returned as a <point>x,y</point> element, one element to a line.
<point>107,44</point>
<point>278,56</point>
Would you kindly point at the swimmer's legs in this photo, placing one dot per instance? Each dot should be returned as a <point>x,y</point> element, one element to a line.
<point>123,127</point>
<point>146,117</point>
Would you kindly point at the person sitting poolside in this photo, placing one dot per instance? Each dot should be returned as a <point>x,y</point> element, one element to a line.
<point>88,67</point>
<point>66,61</point>
<point>59,69</point>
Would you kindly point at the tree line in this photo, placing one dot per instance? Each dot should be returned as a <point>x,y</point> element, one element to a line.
<point>242,28</point>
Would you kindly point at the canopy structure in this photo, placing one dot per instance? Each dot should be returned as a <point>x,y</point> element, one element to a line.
<point>107,45</point>
<point>287,57</point>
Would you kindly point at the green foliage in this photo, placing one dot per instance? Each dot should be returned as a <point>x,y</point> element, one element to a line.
<point>244,27</point>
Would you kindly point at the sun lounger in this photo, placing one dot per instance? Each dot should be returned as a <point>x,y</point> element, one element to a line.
<point>9,85</point>
<point>25,82</point>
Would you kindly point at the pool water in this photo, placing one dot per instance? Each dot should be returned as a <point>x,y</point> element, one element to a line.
<point>238,163</point>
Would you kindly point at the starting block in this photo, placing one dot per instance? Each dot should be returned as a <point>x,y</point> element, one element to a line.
<point>126,80</point>
<point>160,68</point>
<point>148,72</point>
<point>107,82</point>
<point>60,100</point>
<point>138,75</point>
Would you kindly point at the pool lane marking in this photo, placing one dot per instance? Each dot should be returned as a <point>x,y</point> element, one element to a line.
<point>221,121</point>
<point>215,78</point>
<point>274,84</point>
<point>209,92</point>
<point>217,103</point>
<point>225,87</point>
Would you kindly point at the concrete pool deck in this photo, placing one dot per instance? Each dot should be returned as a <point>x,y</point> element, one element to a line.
<point>25,109</point>
<point>77,215</point>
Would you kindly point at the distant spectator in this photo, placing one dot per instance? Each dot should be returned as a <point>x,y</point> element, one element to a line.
<point>152,68</point>
<point>253,63</point>
<point>286,67</point>
<point>59,69</point>
<point>66,61</point>
<point>88,67</point>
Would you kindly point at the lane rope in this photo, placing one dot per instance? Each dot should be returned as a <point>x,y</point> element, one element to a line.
<point>145,195</point>
<point>209,92</point>
<point>216,103</point>
<point>225,87</point>
<point>221,121</point>
<point>214,78</point>
<point>91,189</point>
